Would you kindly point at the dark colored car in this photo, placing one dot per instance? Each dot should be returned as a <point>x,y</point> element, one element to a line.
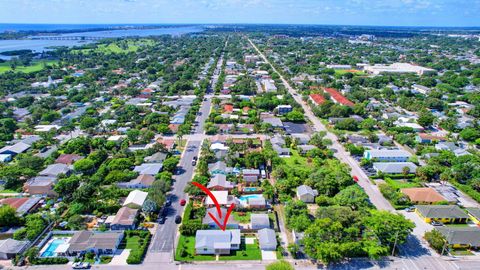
<point>178,219</point>
<point>161,220</point>
<point>168,202</point>
<point>183,202</point>
<point>194,162</point>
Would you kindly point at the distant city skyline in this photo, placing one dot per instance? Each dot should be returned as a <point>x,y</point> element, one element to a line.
<point>347,12</point>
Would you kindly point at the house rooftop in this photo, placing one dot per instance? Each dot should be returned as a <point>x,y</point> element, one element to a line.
<point>441,211</point>
<point>461,235</point>
<point>428,195</point>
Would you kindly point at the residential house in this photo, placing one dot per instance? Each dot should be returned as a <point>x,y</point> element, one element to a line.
<point>394,167</point>
<point>259,221</point>
<point>387,155</point>
<point>251,175</point>
<point>10,248</point>
<point>219,182</point>
<point>4,158</point>
<point>442,213</point>
<point>301,139</point>
<point>306,194</point>
<point>68,159</point>
<point>135,199</point>
<point>156,158</point>
<point>22,205</point>
<point>125,219</point>
<point>429,138</point>
<point>220,196</point>
<point>254,202</point>
<point>208,220</point>
<point>423,195</point>
<point>216,241</point>
<point>54,170</point>
<point>338,98</point>
<point>281,151</point>
<point>420,89</point>
<point>316,99</point>
<point>275,122</point>
<point>15,149</point>
<point>142,181</point>
<point>461,237</point>
<point>149,168</point>
<point>40,185</point>
<point>283,109</point>
<point>303,149</point>
<point>100,243</point>
<point>267,239</point>
<point>218,167</point>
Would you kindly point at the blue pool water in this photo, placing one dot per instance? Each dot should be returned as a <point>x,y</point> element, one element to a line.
<point>52,246</point>
<point>250,189</point>
<point>244,198</point>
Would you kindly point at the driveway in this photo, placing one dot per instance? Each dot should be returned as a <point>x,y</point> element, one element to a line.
<point>269,255</point>
<point>120,257</point>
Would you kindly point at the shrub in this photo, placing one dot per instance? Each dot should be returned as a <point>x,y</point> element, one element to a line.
<point>56,260</point>
<point>136,255</point>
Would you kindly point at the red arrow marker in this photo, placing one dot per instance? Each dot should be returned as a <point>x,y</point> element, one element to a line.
<point>217,205</point>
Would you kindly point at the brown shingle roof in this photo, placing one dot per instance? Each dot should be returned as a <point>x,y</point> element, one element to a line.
<point>427,195</point>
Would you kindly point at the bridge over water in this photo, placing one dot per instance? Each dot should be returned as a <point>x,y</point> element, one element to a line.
<point>66,38</point>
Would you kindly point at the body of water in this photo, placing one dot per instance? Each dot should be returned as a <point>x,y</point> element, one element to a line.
<point>43,45</point>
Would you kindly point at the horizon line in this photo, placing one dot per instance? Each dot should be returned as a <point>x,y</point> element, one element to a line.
<point>219,23</point>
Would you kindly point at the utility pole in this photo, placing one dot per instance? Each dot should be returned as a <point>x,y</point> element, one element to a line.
<point>445,244</point>
<point>395,243</point>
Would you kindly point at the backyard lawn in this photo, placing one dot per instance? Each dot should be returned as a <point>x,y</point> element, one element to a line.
<point>35,66</point>
<point>242,217</point>
<point>295,160</point>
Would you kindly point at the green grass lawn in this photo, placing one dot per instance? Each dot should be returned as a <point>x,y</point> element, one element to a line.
<point>34,67</point>
<point>461,252</point>
<point>353,71</point>
<point>457,225</point>
<point>246,252</point>
<point>296,160</point>
<point>187,244</point>
<point>242,219</point>
<point>399,184</point>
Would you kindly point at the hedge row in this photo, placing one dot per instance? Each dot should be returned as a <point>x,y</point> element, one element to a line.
<point>136,255</point>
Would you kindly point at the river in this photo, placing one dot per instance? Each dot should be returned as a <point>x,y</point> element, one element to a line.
<point>44,45</point>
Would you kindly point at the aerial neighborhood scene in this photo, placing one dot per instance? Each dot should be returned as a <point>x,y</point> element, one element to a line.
<point>232,134</point>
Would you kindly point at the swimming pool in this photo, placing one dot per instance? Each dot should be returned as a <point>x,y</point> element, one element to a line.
<point>52,246</point>
<point>250,189</point>
<point>245,198</point>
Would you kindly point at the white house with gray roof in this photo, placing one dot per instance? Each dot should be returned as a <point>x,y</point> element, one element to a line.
<point>387,155</point>
<point>216,241</point>
<point>9,248</point>
<point>259,221</point>
<point>267,239</point>
<point>306,194</point>
<point>394,167</point>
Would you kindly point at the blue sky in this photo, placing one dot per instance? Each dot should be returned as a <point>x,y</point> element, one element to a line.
<point>351,12</point>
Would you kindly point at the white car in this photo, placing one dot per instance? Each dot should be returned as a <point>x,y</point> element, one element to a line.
<point>80,265</point>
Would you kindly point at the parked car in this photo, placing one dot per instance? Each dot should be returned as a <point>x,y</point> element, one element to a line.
<point>161,220</point>
<point>80,265</point>
<point>183,202</point>
<point>195,158</point>
<point>410,209</point>
<point>178,219</point>
<point>436,223</point>
<point>355,178</point>
<point>194,162</point>
<point>168,202</point>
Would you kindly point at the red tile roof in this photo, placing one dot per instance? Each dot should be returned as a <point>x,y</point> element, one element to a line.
<point>228,108</point>
<point>317,98</point>
<point>14,202</point>
<point>338,97</point>
<point>427,136</point>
